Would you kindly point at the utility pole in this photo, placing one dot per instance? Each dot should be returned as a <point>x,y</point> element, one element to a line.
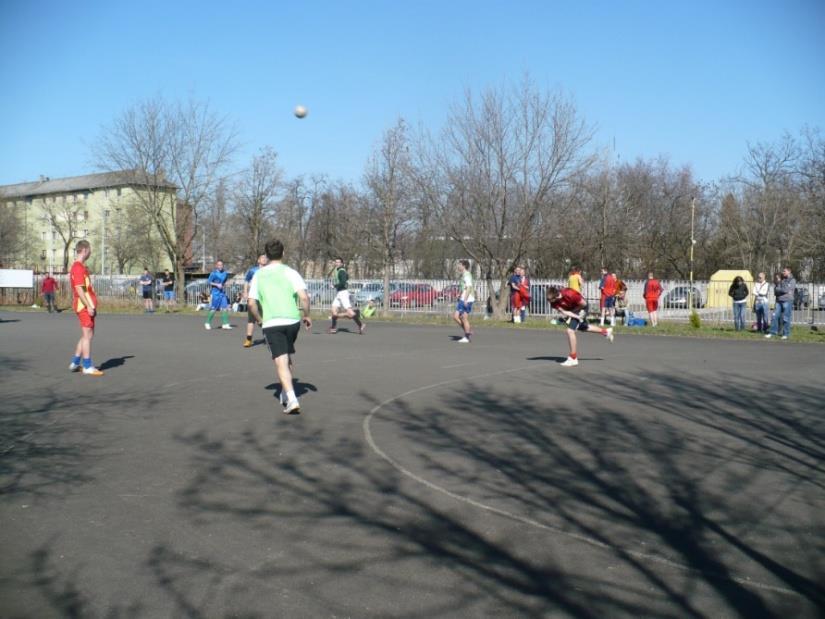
<point>692,243</point>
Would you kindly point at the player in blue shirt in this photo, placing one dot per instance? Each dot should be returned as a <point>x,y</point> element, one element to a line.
<point>220,302</point>
<point>250,318</point>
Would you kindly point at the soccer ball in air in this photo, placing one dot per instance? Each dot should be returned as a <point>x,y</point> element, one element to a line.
<point>300,111</point>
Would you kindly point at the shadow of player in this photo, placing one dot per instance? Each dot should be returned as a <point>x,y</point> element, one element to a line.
<point>300,388</point>
<point>115,362</point>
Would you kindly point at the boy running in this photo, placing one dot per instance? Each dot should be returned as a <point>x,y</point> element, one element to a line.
<point>274,296</point>
<point>340,277</point>
<point>250,317</point>
<point>84,303</point>
<point>464,305</point>
<point>219,302</point>
<point>572,305</point>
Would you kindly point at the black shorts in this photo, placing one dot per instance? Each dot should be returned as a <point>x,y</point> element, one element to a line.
<point>579,325</point>
<point>281,340</point>
<point>147,294</point>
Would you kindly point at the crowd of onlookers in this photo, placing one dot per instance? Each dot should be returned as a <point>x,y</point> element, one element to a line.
<point>784,286</point>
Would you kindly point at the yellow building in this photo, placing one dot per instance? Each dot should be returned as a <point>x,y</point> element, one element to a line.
<point>102,208</point>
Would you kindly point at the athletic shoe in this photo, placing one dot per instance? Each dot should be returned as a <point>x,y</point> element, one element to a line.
<point>92,371</point>
<point>463,340</point>
<point>283,399</point>
<point>332,331</point>
<point>784,337</point>
<point>609,335</point>
<point>361,329</point>
<point>74,367</point>
<point>247,343</point>
<point>207,326</point>
<point>227,327</point>
<point>293,408</point>
<point>570,363</point>
<point>768,336</point>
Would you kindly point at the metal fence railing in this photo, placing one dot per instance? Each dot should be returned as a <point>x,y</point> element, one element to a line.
<point>438,296</point>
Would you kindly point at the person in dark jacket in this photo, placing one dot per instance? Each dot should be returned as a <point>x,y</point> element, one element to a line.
<point>783,290</point>
<point>739,292</point>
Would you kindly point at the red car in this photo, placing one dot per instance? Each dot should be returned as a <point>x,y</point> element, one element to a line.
<point>413,295</point>
<point>451,293</point>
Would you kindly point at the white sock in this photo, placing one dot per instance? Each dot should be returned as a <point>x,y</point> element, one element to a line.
<point>290,396</point>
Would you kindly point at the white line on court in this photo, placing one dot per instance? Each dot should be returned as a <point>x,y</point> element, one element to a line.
<point>529,521</point>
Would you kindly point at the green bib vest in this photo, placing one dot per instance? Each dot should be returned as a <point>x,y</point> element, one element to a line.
<point>275,292</point>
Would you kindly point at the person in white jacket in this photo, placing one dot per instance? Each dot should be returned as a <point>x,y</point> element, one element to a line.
<point>760,303</point>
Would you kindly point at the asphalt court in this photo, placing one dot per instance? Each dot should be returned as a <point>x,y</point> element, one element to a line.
<point>663,477</point>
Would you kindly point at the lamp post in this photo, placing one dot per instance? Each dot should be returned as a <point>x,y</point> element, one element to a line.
<point>692,243</point>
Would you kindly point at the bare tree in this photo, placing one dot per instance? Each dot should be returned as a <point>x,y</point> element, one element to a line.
<point>177,154</point>
<point>387,181</point>
<point>502,165</point>
<point>12,232</point>
<point>255,197</point>
<point>64,218</point>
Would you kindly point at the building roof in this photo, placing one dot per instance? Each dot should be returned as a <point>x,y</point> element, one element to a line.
<point>71,184</point>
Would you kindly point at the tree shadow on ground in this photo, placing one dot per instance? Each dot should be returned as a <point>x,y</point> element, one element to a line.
<point>703,503</point>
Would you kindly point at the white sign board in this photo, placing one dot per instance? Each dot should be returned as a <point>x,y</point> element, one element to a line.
<point>16,278</point>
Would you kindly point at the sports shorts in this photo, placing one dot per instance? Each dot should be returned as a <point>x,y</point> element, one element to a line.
<point>342,300</point>
<point>218,302</point>
<point>610,302</point>
<point>147,294</point>
<point>652,304</point>
<point>86,320</point>
<point>579,324</point>
<point>464,307</point>
<point>281,339</point>
<point>169,295</point>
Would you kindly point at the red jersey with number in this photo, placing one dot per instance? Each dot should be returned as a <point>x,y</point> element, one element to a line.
<point>568,300</point>
<point>79,276</point>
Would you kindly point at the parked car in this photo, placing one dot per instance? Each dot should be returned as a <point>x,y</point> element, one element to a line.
<point>413,295</point>
<point>450,293</point>
<point>678,298</point>
<point>321,292</point>
<point>371,291</point>
<point>802,298</point>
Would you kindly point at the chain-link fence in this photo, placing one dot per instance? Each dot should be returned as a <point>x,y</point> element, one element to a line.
<point>429,296</point>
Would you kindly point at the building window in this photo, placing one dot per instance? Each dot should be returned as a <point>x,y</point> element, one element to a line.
<point>118,192</point>
<point>74,198</point>
<point>85,215</point>
<point>43,235</point>
<point>85,232</point>
<point>63,199</point>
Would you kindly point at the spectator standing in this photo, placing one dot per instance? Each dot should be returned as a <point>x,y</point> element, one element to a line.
<point>147,281</point>
<point>784,291</point>
<point>739,292</point>
<point>49,287</point>
<point>652,293</point>
<point>464,305</point>
<point>168,283</point>
<point>760,303</point>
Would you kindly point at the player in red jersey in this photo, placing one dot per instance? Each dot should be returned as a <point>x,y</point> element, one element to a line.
<point>572,305</point>
<point>84,303</point>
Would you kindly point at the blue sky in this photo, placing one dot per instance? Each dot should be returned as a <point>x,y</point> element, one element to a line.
<point>691,80</point>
